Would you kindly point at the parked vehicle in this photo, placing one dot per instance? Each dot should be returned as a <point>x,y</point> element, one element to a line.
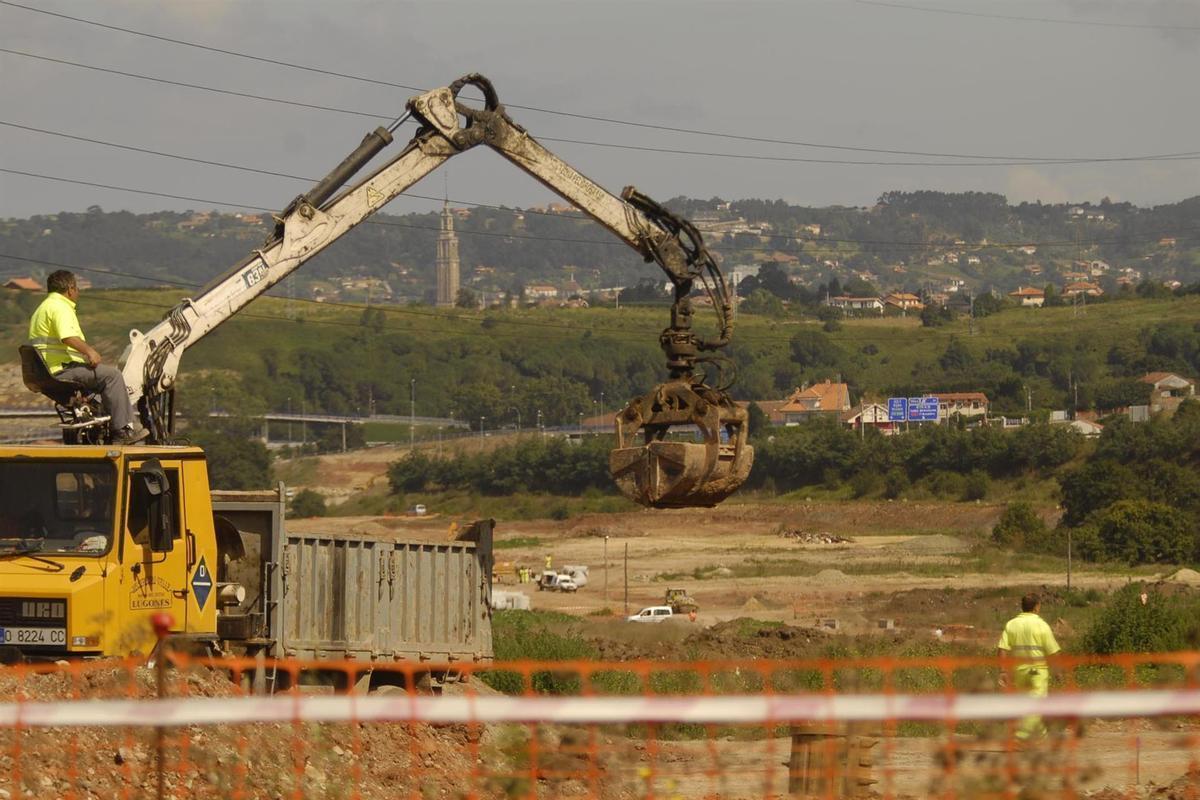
<point>652,614</point>
<point>95,540</point>
<point>555,581</point>
<point>680,601</point>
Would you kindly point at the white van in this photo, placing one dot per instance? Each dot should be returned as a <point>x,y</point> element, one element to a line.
<point>652,614</point>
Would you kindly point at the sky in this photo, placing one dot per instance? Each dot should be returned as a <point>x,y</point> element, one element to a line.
<point>995,81</point>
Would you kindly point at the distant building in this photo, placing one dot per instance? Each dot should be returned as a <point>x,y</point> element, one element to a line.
<point>813,401</point>
<point>1167,391</point>
<point>447,261</point>
<point>847,303</point>
<point>24,283</point>
<point>1082,287</point>
<point>540,291</point>
<point>964,404</point>
<point>870,415</point>
<point>772,408</point>
<point>903,301</point>
<point>1029,296</point>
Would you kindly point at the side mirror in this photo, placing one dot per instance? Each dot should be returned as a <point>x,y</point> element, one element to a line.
<point>151,482</point>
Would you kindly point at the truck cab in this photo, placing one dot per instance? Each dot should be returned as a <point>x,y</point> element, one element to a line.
<point>94,540</point>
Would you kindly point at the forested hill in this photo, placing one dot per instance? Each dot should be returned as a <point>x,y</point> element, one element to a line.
<point>906,240</point>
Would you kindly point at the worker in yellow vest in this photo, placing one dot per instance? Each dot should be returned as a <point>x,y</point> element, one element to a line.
<point>1028,640</point>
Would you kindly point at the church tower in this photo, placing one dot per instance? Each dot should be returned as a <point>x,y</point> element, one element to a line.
<point>447,261</point>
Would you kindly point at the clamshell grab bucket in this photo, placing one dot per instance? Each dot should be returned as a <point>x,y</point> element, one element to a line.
<point>669,473</point>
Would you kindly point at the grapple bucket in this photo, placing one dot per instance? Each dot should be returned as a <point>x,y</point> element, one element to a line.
<point>665,473</point>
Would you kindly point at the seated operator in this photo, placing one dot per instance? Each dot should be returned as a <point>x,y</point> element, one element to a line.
<point>54,330</point>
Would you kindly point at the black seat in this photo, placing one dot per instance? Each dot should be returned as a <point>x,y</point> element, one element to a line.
<point>37,378</point>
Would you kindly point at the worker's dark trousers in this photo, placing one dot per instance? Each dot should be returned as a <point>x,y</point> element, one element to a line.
<point>109,382</point>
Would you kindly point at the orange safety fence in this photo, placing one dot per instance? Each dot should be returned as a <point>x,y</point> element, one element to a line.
<point>1118,726</point>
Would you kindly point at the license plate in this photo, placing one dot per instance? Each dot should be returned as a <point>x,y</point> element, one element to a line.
<point>51,636</point>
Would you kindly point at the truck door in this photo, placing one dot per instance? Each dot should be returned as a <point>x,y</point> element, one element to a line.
<point>154,561</point>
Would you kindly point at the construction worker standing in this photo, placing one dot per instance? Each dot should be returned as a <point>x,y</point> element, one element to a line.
<point>1028,639</point>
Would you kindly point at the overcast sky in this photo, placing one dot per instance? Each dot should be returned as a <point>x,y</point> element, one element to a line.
<point>1075,79</point>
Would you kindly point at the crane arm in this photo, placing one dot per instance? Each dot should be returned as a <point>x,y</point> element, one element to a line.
<point>661,471</point>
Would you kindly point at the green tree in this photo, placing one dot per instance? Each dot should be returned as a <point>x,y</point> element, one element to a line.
<point>308,503</point>
<point>1128,625</point>
<point>1019,526</point>
<point>1141,532</point>
<point>237,458</point>
<point>466,299</point>
<point>813,349</point>
<point>757,420</point>
<point>762,302</point>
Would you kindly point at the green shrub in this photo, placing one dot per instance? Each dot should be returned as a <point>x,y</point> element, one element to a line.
<point>537,636</point>
<point>865,482</point>
<point>308,503</point>
<point>1141,532</point>
<point>894,483</point>
<point>1127,625</point>
<point>977,485</point>
<point>1019,527</point>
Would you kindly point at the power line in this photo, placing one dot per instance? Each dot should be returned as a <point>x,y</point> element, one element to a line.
<point>988,161</point>
<point>542,110</point>
<point>823,241</point>
<point>1014,18</point>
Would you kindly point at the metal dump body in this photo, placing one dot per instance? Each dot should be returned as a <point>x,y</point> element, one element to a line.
<point>370,599</point>
<point>334,595</point>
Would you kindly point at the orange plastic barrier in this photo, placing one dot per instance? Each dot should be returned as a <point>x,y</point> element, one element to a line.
<point>1122,726</point>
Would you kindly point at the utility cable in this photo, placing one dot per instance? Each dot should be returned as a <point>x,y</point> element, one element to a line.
<point>538,109</point>
<point>1180,156</point>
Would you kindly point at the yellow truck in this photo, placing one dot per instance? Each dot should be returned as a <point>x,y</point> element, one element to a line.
<point>95,540</point>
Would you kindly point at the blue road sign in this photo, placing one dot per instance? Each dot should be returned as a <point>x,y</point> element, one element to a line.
<point>897,409</point>
<point>922,409</point>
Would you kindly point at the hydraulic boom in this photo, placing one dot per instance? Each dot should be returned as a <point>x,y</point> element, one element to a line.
<point>658,470</point>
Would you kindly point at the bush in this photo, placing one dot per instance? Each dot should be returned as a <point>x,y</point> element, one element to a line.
<point>308,503</point>
<point>977,485</point>
<point>1141,532</point>
<point>865,482</point>
<point>1127,625</point>
<point>895,483</point>
<point>1019,527</point>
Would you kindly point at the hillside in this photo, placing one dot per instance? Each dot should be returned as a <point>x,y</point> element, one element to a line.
<point>564,362</point>
<point>908,240</point>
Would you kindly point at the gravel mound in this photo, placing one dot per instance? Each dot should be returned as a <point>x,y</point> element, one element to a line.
<point>830,576</point>
<point>1187,576</point>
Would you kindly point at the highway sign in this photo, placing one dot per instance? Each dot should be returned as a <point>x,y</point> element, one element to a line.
<point>922,409</point>
<point>897,409</point>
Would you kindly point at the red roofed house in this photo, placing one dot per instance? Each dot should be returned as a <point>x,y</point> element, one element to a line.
<point>24,283</point>
<point>1029,296</point>
<point>903,301</point>
<point>1082,287</point>
<point>772,408</point>
<point>1167,391</point>
<point>810,402</point>
<point>965,404</point>
<point>874,415</point>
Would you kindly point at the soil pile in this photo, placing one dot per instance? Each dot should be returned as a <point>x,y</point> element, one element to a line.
<point>1189,577</point>
<point>260,760</point>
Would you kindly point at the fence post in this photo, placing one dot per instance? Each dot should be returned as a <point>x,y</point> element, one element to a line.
<point>162,623</point>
